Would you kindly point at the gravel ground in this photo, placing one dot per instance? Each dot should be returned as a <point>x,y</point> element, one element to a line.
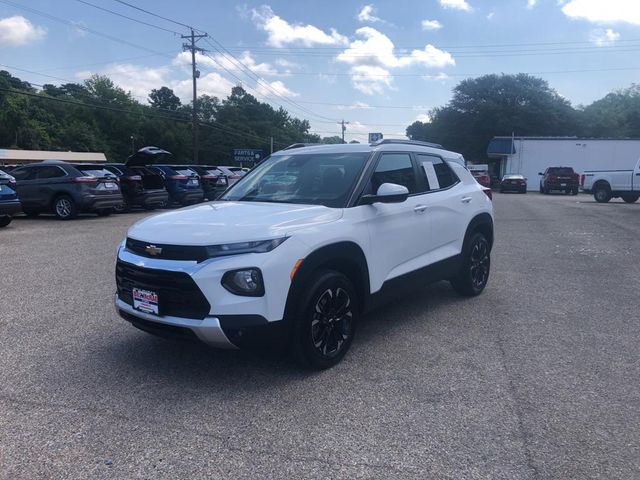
<point>536,378</point>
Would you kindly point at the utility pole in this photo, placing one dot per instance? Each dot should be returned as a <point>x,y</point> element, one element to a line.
<point>191,46</point>
<point>272,145</point>
<point>344,128</point>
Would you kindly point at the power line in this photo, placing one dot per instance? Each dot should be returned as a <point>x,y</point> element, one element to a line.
<point>127,17</point>
<point>156,15</point>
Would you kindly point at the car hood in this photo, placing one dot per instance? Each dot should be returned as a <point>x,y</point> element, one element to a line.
<point>217,223</point>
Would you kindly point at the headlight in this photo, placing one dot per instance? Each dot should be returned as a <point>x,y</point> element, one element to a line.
<point>262,246</point>
<point>246,282</point>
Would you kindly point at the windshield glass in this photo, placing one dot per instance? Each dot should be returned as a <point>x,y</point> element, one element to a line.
<point>323,179</point>
<point>561,170</point>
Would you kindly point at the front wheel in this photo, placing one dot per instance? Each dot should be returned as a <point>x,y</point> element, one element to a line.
<point>574,191</point>
<point>630,198</point>
<point>65,208</point>
<point>325,320</point>
<point>124,207</point>
<point>476,265</point>
<point>5,220</point>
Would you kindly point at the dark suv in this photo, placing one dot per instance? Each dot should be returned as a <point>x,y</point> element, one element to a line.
<point>140,187</point>
<point>9,203</point>
<point>182,183</point>
<point>66,190</point>
<point>559,178</point>
<point>212,179</point>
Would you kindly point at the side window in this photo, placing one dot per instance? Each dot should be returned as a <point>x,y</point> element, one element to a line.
<point>49,172</point>
<point>437,173</point>
<point>24,173</point>
<point>394,168</point>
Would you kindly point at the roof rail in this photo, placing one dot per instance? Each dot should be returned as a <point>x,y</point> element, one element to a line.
<point>389,141</point>
<point>301,145</point>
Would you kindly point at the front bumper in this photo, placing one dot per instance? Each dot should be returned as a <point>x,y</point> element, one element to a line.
<point>10,207</point>
<point>207,330</point>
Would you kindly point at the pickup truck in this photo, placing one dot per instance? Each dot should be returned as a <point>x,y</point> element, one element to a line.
<point>608,184</point>
<point>559,178</point>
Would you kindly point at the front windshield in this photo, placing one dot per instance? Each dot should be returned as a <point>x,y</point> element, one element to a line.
<point>313,179</point>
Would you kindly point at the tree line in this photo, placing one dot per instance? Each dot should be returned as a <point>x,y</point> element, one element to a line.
<point>97,115</point>
<point>524,105</point>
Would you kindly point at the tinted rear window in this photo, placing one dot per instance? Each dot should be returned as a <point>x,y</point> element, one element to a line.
<point>185,171</point>
<point>95,172</point>
<point>561,170</point>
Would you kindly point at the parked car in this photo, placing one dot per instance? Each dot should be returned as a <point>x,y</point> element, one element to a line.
<point>299,260</point>
<point>559,178</point>
<point>9,203</point>
<point>481,174</point>
<point>213,180</point>
<point>513,183</point>
<point>182,183</point>
<point>608,184</point>
<point>65,189</point>
<point>141,188</point>
<point>232,174</point>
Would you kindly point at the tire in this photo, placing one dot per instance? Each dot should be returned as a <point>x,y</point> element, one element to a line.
<point>31,213</point>
<point>104,212</point>
<point>630,198</point>
<point>476,266</point>
<point>5,220</point>
<point>545,191</point>
<point>602,193</point>
<point>65,208</point>
<point>124,207</point>
<point>325,320</point>
<point>541,189</point>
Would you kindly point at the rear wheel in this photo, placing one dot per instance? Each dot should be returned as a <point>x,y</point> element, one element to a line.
<point>65,208</point>
<point>541,189</point>
<point>602,193</point>
<point>124,207</point>
<point>630,198</point>
<point>5,220</point>
<point>476,265</point>
<point>104,212</point>
<point>325,320</point>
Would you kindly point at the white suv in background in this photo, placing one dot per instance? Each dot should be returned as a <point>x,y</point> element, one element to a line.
<point>304,244</point>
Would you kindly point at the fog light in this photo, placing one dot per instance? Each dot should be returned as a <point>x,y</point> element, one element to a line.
<point>246,282</point>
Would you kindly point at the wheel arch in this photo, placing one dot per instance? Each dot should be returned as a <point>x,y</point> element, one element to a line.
<point>345,257</point>
<point>482,223</point>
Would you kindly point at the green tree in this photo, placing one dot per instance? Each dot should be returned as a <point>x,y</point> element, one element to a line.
<point>164,98</point>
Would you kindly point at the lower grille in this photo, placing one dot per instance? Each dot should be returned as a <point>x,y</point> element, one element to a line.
<point>178,294</point>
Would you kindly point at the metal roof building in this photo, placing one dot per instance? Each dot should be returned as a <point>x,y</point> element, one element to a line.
<point>530,155</point>
<point>11,156</point>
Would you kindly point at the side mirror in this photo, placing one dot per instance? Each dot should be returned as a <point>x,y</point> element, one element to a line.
<point>387,193</point>
<point>540,173</point>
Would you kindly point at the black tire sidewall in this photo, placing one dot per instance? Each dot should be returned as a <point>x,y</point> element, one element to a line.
<point>463,282</point>
<point>5,220</point>
<point>302,347</point>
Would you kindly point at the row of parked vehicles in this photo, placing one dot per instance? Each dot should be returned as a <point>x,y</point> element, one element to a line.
<point>67,189</point>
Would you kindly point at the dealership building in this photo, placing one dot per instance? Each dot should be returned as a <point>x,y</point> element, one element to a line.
<point>530,155</point>
<point>19,157</point>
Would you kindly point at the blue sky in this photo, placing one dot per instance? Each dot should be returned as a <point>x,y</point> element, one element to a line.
<point>335,60</point>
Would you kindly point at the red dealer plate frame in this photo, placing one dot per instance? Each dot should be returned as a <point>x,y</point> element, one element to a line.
<point>145,301</point>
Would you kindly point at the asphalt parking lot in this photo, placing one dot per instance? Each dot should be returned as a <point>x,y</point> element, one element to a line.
<point>537,378</point>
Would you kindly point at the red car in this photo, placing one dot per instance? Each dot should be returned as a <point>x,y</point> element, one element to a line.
<point>513,183</point>
<point>481,174</point>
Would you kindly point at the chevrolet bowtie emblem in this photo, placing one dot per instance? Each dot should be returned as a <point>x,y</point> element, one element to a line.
<point>153,250</point>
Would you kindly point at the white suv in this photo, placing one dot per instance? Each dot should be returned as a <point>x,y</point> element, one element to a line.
<point>304,244</point>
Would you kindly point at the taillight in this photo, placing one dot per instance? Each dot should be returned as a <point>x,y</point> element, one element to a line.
<point>177,177</point>
<point>84,180</point>
<point>488,193</point>
<point>209,177</point>
<point>133,178</point>
<point>234,177</point>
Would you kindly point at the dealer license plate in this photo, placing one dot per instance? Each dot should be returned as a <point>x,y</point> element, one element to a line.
<point>145,300</point>
<point>563,184</point>
<point>110,185</point>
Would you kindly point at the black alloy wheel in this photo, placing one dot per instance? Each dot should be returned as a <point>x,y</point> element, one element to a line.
<point>473,276</point>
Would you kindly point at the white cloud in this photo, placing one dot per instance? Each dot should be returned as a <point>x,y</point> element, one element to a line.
<point>603,38</point>
<point>490,15</point>
<point>354,106</point>
<point>17,30</point>
<point>281,62</point>
<point>376,49</point>
<point>367,15</point>
<point>456,5</point>
<point>531,4</point>
<point>370,80</point>
<point>423,117</point>
<point>372,56</point>
<point>278,86</point>
<point>431,25</point>
<point>599,11</point>
<point>441,76</point>
<point>212,84</point>
<point>281,33</point>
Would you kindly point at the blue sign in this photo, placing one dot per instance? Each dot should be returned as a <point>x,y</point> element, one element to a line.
<point>375,137</point>
<point>247,155</point>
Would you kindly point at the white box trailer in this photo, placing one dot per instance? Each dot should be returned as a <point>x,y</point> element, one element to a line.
<point>530,155</point>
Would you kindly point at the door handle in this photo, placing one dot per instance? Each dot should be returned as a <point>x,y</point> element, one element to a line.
<point>420,208</point>
<point>466,199</point>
